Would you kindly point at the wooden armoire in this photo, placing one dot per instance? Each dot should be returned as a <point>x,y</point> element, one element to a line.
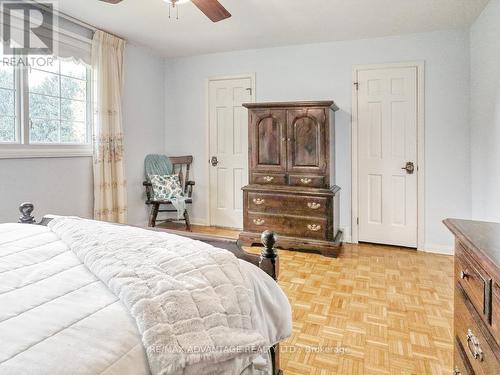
<point>292,189</point>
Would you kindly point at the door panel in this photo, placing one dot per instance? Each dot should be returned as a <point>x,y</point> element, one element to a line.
<point>268,134</point>
<point>307,151</point>
<point>229,145</point>
<point>387,131</point>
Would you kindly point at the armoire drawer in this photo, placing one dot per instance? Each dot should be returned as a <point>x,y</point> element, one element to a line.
<point>268,179</point>
<point>285,204</point>
<point>291,226</point>
<point>470,334</point>
<point>306,181</point>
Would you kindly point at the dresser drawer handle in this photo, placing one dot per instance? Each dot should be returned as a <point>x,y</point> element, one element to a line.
<point>258,221</point>
<point>258,201</point>
<point>474,346</point>
<point>314,227</point>
<point>463,275</point>
<point>305,181</point>
<point>457,371</point>
<point>268,178</point>
<point>313,205</point>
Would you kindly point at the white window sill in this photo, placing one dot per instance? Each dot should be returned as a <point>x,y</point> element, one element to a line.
<point>44,152</point>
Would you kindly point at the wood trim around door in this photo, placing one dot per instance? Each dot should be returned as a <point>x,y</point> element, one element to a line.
<point>252,77</point>
<point>420,67</point>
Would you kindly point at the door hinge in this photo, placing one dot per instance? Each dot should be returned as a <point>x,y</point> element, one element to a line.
<point>357,220</point>
<point>357,85</point>
<point>249,90</point>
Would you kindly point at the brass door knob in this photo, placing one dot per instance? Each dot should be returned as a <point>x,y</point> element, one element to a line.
<point>409,167</point>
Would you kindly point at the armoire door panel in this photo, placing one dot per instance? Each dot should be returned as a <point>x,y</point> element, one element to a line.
<point>307,134</point>
<point>268,146</point>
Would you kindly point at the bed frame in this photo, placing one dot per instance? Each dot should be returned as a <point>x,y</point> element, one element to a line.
<point>268,260</point>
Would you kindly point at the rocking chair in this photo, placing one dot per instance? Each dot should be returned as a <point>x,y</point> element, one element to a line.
<point>181,166</point>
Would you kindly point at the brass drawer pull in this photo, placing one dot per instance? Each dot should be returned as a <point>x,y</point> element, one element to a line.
<point>258,221</point>
<point>258,201</point>
<point>313,205</point>
<point>474,346</point>
<point>305,180</point>
<point>268,178</point>
<point>314,227</point>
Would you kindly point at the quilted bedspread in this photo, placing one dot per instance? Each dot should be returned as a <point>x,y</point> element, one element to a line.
<point>150,302</point>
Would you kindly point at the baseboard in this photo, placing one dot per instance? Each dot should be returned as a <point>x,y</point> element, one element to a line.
<point>439,249</point>
<point>199,221</point>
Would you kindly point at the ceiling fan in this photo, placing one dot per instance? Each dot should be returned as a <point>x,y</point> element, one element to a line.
<point>211,8</point>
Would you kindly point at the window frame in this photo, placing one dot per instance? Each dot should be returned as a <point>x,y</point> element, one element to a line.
<point>21,147</point>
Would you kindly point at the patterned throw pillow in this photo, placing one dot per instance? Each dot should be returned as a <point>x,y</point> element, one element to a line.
<point>166,187</point>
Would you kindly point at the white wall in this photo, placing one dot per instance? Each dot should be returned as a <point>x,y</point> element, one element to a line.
<point>485,113</point>
<point>64,185</point>
<point>324,71</point>
<point>61,186</point>
<point>143,122</point>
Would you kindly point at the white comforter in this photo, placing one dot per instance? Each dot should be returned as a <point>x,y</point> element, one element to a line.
<point>56,317</point>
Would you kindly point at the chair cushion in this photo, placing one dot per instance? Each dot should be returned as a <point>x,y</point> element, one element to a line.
<point>166,187</point>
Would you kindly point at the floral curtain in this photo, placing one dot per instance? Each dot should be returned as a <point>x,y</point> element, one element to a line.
<point>110,195</point>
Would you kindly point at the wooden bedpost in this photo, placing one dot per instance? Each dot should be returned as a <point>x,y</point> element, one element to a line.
<point>269,260</point>
<point>269,263</point>
<point>26,209</point>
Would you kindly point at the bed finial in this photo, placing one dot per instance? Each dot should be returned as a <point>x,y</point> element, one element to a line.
<point>269,255</point>
<point>26,209</point>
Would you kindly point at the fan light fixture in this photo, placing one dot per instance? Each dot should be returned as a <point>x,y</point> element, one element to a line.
<point>172,4</point>
<point>176,2</point>
<point>210,8</point>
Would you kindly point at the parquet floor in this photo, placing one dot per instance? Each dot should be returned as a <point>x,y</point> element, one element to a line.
<point>375,310</point>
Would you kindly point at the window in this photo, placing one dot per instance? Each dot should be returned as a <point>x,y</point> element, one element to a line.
<point>8,113</point>
<point>45,107</point>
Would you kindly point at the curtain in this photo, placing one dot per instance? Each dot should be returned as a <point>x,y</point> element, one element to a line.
<point>110,196</point>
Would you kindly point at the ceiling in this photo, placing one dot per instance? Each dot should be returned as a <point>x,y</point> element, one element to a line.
<point>269,23</point>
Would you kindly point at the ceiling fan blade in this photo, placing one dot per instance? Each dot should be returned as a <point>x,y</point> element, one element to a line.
<point>112,1</point>
<point>212,9</point>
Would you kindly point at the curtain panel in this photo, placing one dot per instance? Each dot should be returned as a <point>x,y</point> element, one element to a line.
<point>110,196</point>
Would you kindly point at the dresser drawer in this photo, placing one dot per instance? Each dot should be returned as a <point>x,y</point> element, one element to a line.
<point>291,226</point>
<point>473,282</point>
<point>287,204</point>
<point>495,319</point>
<point>306,181</point>
<point>470,334</point>
<point>461,365</point>
<point>268,179</point>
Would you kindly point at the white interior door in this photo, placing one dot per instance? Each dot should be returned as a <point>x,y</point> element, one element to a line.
<point>228,149</point>
<point>387,141</point>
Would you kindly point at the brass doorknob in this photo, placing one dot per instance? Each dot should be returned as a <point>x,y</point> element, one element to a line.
<point>409,167</point>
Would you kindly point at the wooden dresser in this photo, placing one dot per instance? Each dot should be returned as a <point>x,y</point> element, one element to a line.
<point>477,297</point>
<point>292,189</point>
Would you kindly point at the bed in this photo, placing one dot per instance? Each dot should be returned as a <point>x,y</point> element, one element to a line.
<point>84,297</point>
